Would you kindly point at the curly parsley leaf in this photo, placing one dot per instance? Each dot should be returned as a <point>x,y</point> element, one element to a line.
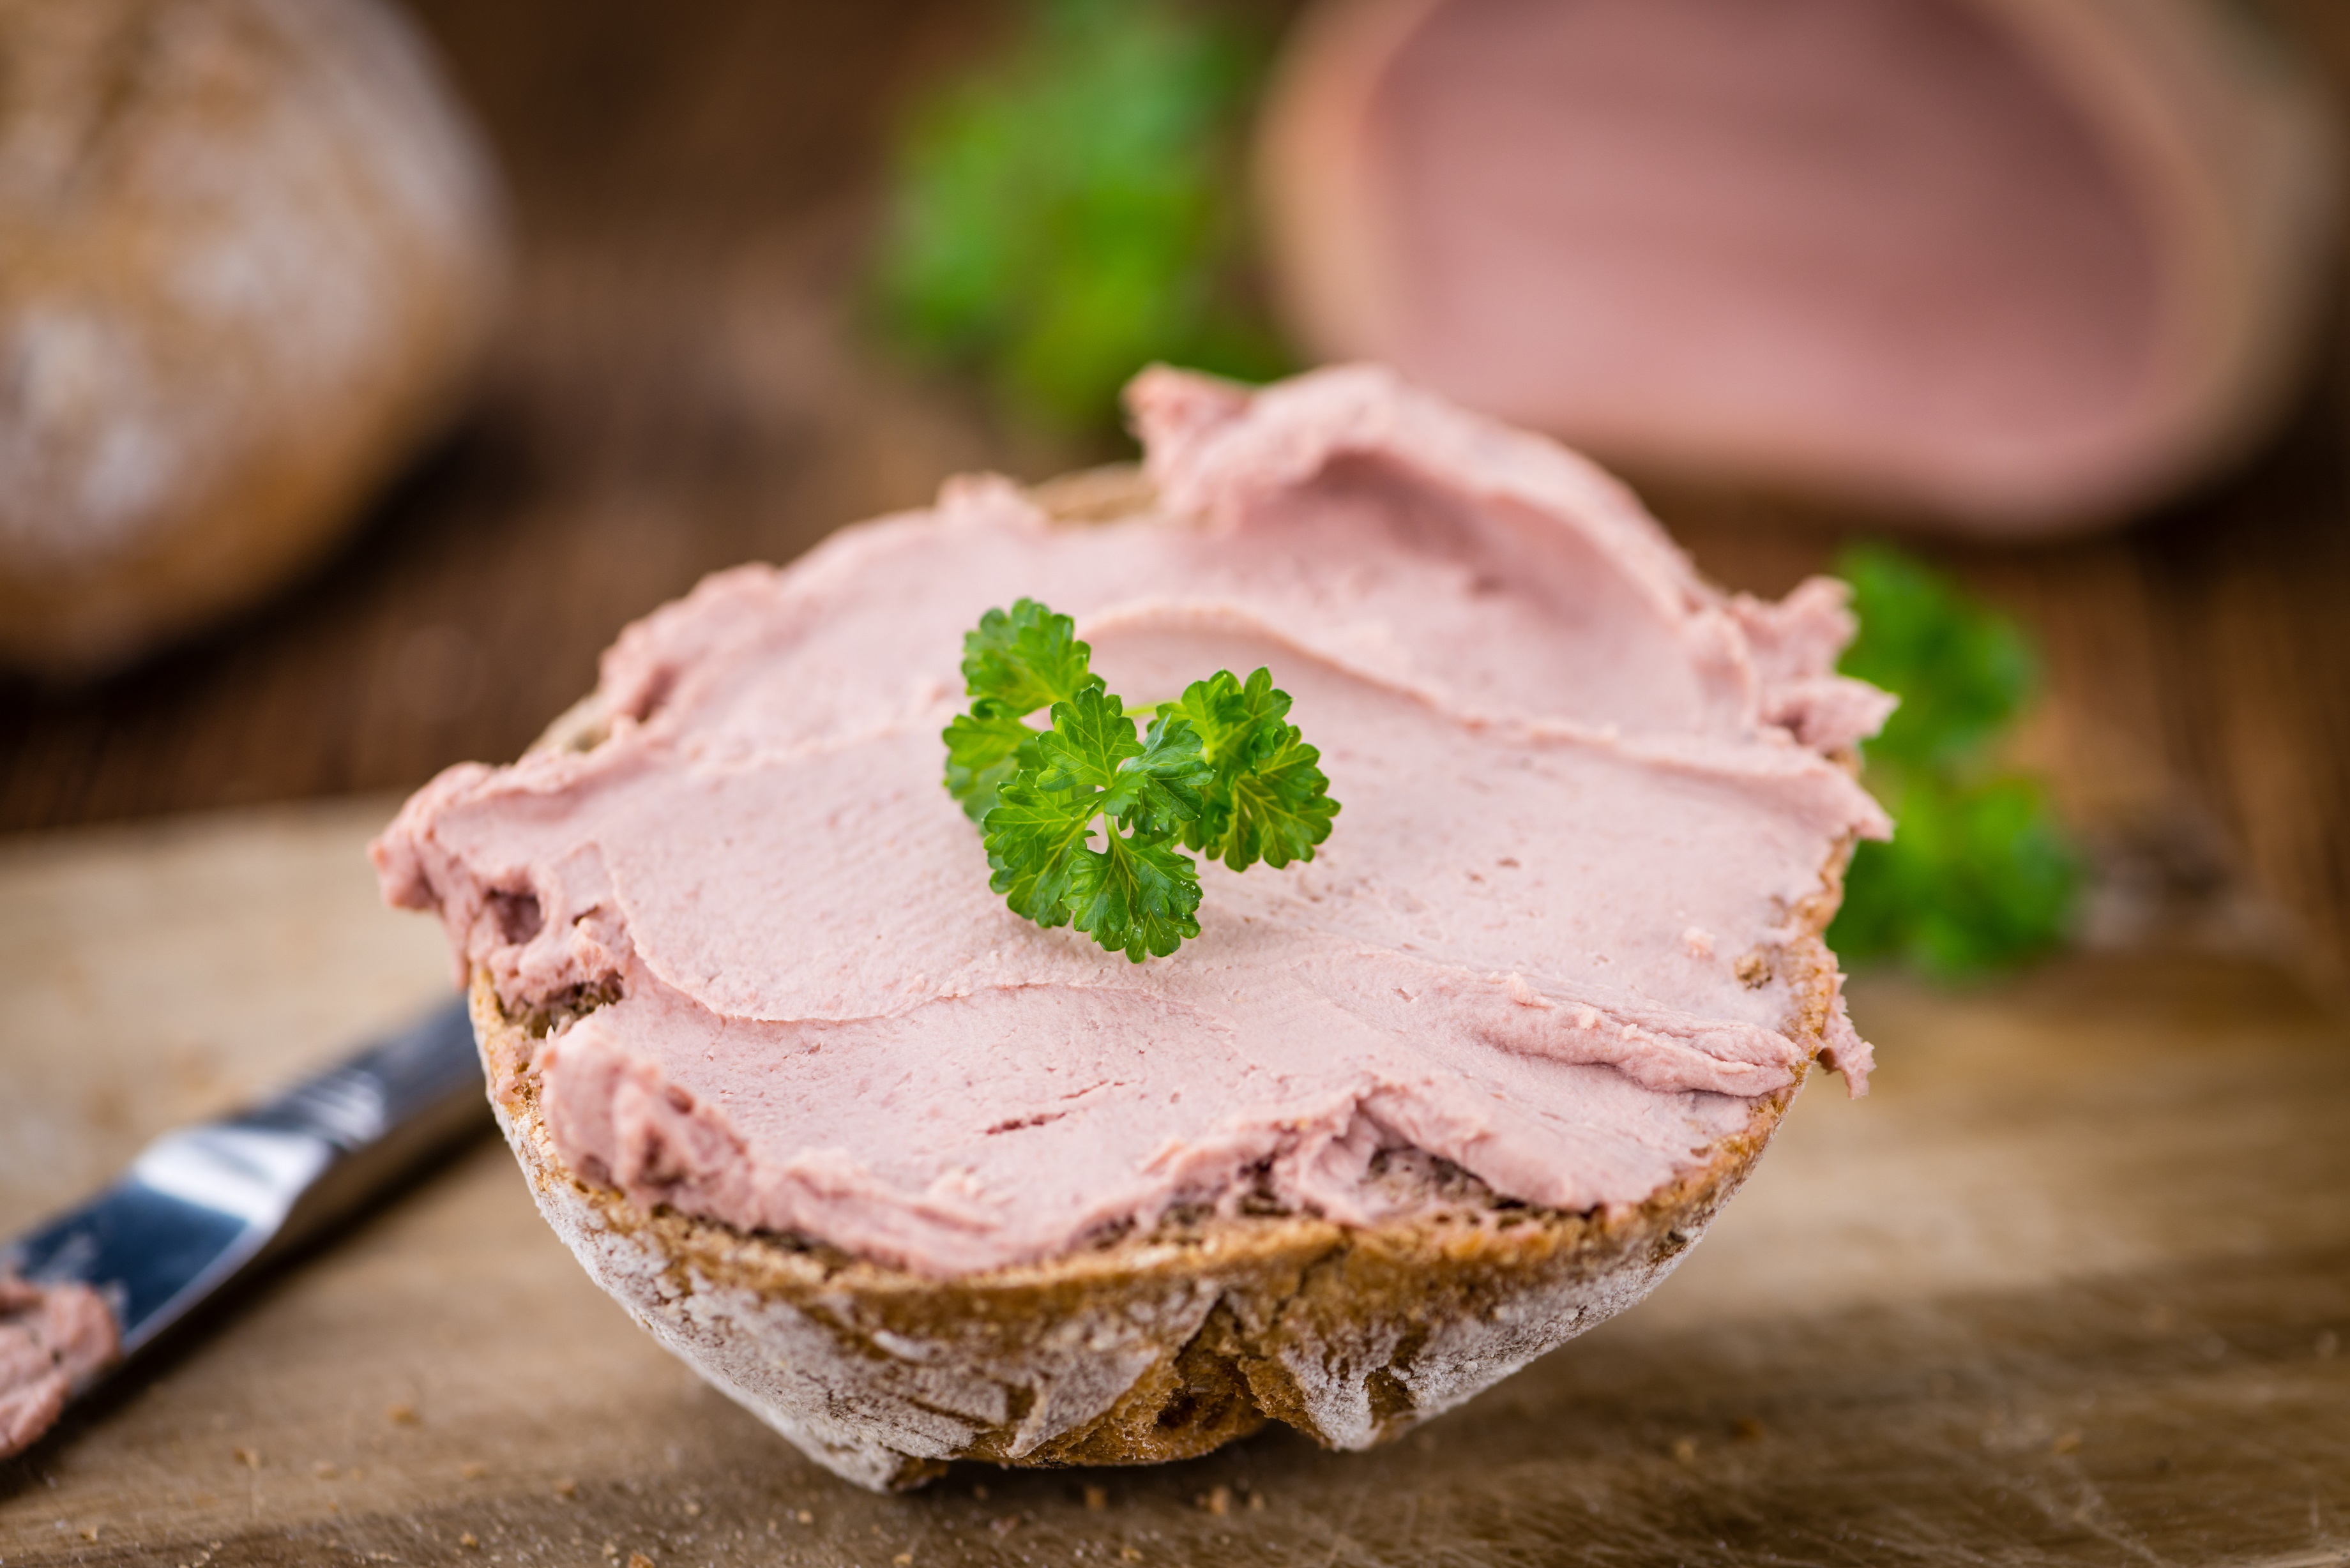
<point>1280,807</point>
<point>1269,800</point>
<point>1158,789</point>
<point>1136,893</point>
<point>1024,659</point>
<point>1091,736</point>
<point>984,748</point>
<point>1220,769</point>
<point>1035,838</point>
<point>1014,663</point>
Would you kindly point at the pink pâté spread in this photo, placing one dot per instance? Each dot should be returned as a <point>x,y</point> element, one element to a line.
<point>52,1338</point>
<point>1584,797</point>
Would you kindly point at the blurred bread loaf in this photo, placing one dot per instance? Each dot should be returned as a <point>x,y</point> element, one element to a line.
<point>249,251</point>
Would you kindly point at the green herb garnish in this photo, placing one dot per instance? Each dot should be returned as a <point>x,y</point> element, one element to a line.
<point>1220,770</point>
<point>1072,211</point>
<point>1978,875</point>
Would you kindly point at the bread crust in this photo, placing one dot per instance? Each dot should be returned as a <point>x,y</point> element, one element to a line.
<point>1153,1347</point>
<point>1150,1347</point>
<point>255,255</point>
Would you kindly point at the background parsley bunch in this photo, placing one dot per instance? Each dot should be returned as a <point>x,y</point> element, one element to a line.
<point>1978,874</point>
<point>1071,210</point>
<point>1220,770</point>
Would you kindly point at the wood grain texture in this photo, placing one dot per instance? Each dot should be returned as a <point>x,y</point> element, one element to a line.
<point>2071,1286</point>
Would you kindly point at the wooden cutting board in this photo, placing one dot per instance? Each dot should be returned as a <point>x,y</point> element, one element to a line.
<point>2073,1285</point>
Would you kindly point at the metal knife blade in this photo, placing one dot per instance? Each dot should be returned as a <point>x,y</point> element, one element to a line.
<point>204,1204</point>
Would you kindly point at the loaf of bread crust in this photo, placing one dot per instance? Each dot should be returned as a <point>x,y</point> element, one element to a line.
<point>1152,1347</point>
<point>252,251</point>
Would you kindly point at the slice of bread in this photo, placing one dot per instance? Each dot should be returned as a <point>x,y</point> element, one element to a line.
<point>1149,1346</point>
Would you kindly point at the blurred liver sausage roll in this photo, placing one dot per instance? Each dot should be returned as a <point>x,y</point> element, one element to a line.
<point>249,252</point>
<point>2015,266</point>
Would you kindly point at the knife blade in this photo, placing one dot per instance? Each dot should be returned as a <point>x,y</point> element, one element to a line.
<point>204,1206</point>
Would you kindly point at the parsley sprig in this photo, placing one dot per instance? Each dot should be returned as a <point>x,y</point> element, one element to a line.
<point>1220,770</point>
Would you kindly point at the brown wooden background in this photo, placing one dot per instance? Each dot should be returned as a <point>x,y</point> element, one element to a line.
<point>686,381</point>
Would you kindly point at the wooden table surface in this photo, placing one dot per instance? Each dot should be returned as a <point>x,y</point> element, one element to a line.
<point>2071,1286</point>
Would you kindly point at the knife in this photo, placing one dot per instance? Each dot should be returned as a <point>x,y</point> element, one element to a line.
<point>205,1206</point>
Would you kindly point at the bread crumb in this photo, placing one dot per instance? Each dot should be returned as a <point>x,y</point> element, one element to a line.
<point>1698,940</point>
<point>1129,1555</point>
<point>639,1559</point>
<point>903,1560</point>
<point>805,1517</point>
<point>1256,1502</point>
<point>469,1540</point>
<point>1219,1501</point>
<point>1685,1451</point>
<point>402,1414</point>
<point>692,1508</point>
<point>90,1533</point>
<point>1755,970</point>
<point>1097,1498</point>
<point>566,1487</point>
<point>473,1470</point>
<point>2065,1443</point>
<point>248,1458</point>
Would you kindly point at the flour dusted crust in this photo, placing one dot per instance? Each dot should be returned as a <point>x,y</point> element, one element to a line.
<point>1150,1347</point>
<point>251,252</point>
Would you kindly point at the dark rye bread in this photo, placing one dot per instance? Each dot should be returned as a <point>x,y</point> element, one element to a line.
<point>1142,1348</point>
